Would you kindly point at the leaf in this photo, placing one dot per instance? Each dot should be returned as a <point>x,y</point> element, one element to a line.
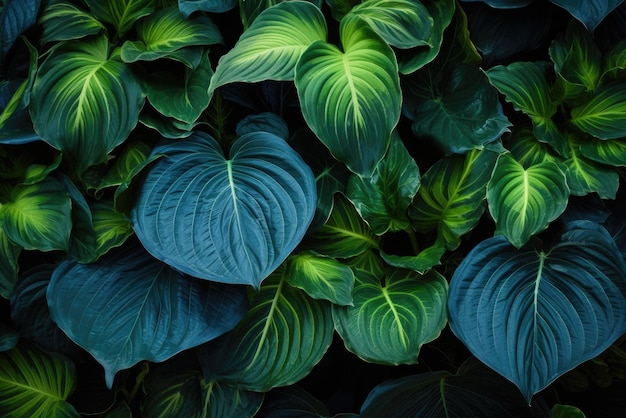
<point>448,112</point>
<point>167,31</point>
<point>270,48</point>
<point>610,152</point>
<point>250,10</point>
<point>321,277</point>
<point>232,220</point>
<point>527,150</point>
<point>266,122</point>
<point>133,158</point>
<point>293,401</point>
<point>84,102</point>
<point>9,254</point>
<point>38,216</point>
<point>401,23</point>
<point>555,309</point>
<point>34,383</point>
<point>566,411</point>
<point>63,21</point>
<point>383,199</point>
<point>615,61</point>
<point>523,202</point>
<point>187,7</point>
<point>421,262</point>
<point>122,14</point>
<point>16,16</point>
<point>503,4</point>
<point>284,334</point>
<point>392,319</point>
<point>112,228</point>
<point>157,314</point>
<point>585,176</point>
<point>451,197</point>
<point>589,13</point>
<point>8,338</point>
<point>351,100</point>
<point>604,115</point>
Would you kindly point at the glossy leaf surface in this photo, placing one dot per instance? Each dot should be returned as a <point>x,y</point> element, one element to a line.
<point>16,16</point>
<point>187,7</point>
<point>603,116</point>
<point>122,14</point>
<point>585,176</point>
<point>63,21</point>
<point>589,13</point>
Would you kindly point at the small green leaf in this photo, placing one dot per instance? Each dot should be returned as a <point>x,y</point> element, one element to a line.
<point>421,262</point>
<point>523,202</point>
<point>604,115</point>
<point>615,61</point>
<point>566,411</point>
<point>390,321</point>
<point>585,176</point>
<point>112,228</point>
<point>610,152</point>
<point>321,277</point>
<point>63,21</point>
<point>133,158</point>
<point>122,14</point>
<point>9,253</point>
<point>38,216</point>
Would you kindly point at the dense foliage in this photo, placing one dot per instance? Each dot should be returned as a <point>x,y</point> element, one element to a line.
<point>278,208</point>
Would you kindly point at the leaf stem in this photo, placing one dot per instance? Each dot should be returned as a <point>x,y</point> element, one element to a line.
<point>413,240</point>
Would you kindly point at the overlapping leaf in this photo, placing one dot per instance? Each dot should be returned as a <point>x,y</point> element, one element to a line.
<point>63,21</point>
<point>585,176</point>
<point>611,152</point>
<point>122,14</point>
<point>9,253</point>
<point>16,16</point>
<point>589,13</point>
<point>187,7</point>
<point>604,115</point>
<point>533,314</point>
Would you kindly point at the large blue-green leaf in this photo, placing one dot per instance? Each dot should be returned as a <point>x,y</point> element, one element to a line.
<point>228,219</point>
<point>62,21</point>
<point>16,16</point>
<point>129,307</point>
<point>523,201</point>
<point>604,114</point>
<point>270,48</point>
<point>9,253</point>
<point>35,383</point>
<point>167,31</point>
<point>84,101</point>
<point>534,314</point>
<point>284,334</point>
<point>392,318</point>
<point>351,99</point>
<point>590,13</point>
<point>187,7</point>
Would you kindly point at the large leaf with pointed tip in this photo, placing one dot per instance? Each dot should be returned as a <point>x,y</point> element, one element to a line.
<point>129,307</point>
<point>229,219</point>
<point>604,114</point>
<point>351,99</point>
<point>522,201</point>
<point>391,319</point>
<point>167,31</point>
<point>16,16</point>
<point>590,13</point>
<point>122,14</point>
<point>85,102</point>
<point>37,217</point>
<point>9,253</point>
<point>534,314</point>
<point>35,383</point>
<point>284,334</point>
<point>62,21</point>
<point>270,48</point>
<point>451,197</point>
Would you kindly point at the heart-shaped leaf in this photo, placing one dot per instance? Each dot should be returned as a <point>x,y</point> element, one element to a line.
<point>351,99</point>
<point>34,383</point>
<point>232,220</point>
<point>129,307</point>
<point>85,102</point>
<point>590,13</point>
<point>63,21</point>
<point>522,201</point>
<point>533,315</point>
<point>390,321</point>
<point>604,115</point>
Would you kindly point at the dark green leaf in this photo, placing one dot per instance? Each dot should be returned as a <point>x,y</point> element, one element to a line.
<point>9,254</point>
<point>122,14</point>
<point>585,176</point>
<point>421,262</point>
<point>63,21</point>
<point>610,152</point>
<point>527,150</point>
<point>8,337</point>
<point>566,411</point>
<point>187,7</point>
<point>615,61</point>
<point>16,16</point>
<point>604,114</point>
<point>266,122</point>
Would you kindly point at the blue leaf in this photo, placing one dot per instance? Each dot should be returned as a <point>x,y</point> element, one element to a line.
<point>230,220</point>
<point>533,315</point>
<point>590,13</point>
<point>16,17</point>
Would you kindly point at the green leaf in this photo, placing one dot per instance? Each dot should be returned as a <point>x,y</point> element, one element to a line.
<point>344,235</point>
<point>351,99</point>
<point>321,277</point>
<point>63,21</point>
<point>187,7</point>
<point>401,23</point>
<point>566,411</point>
<point>34,383</point>
<point>270,48</point>
<point>522,201</point>
<point>585,176</point>
<point>284,334</point>
<point>9,254</point>
<point>122,14</point>
<point>604,114</point>
<point>134,157</point>
<point>266,122</point>
<point>232,220</point>
<point>84,102</point>
<point>38,216</point>
<point>589,13</point>
<point>165,32</point>
<point>533,315</point>
<point>112,228</point>
<point>8,338</point>
<point>447,111</point>
<point>615,61</point>
<point>392,319</point>
<point>610,152</point>
<point>294,401</point>
<point>451,197</point>
<point>156,315</point>
<point>421,262</point>
<point>527,150</point>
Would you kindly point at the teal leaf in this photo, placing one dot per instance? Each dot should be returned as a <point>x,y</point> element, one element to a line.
<point>232,220</point>
<point>604,114</point>
<point>35,383</point>
<point>84,102</point>
<point>383,199</point>
<point>392,318</point>
<point>589,13</point>
<point>284,334</point>
<point>122,14</point>
<point>63,21</point>
<point>448,113</point>
<point>156,315</point>
<point>9,254</point>
<point>167,31</point>
<point>321,277</point>
<point>16,17</point>
<point>187,7</point>
<point>522,201</point>
<point>38,216</point>
<point>533,315</point>
<point>265,122</point>
<point>8,337</point>
<point>270,48</point>
<point>351,100</point>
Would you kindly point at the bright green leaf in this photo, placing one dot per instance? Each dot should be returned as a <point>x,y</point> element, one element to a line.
<point>615,61</point>
<point>585,176</point>
<point>112,228</point>
<point>527,150</point>
<point>421,262</point>
<point>566,411</point>
<point>132,159</point>
<point>610,152</point>
<point>604,114</point>
<point>63,21</point>
<point>122,14</point>
<point>251,9</point>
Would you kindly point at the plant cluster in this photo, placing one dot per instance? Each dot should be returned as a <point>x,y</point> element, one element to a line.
<point>207,205</point>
